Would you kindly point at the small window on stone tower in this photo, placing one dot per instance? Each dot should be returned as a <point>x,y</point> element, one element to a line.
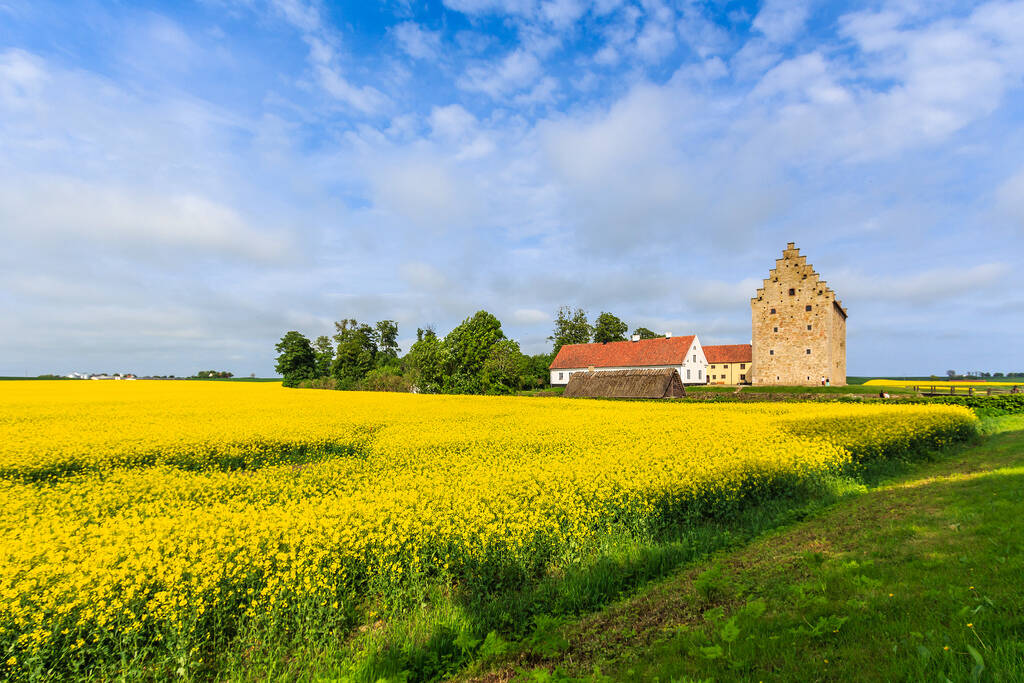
<point>808,352</point>
<point>773,311</point>
<point>771,352</point>
<point>819,292</point>
<point>792,291</point>
<point>775,329</point>
<point>807,307</point>
<point>808,327</point>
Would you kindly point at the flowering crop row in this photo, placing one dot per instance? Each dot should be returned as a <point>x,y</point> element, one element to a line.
<point>107,551</point>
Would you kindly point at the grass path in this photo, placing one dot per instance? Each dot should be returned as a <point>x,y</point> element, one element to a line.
<point>919,579</point>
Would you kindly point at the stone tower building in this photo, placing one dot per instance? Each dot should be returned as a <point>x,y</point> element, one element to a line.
<point>798,326</point>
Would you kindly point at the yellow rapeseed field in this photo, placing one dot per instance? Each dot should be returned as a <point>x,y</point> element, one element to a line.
<point>166,516</point>
<point>936,383</point>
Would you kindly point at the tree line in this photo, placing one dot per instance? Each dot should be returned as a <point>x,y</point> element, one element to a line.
<point>572,327</point>
<point>474,358</point>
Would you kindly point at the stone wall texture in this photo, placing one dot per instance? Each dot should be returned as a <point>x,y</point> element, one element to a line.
<point>798,326</point>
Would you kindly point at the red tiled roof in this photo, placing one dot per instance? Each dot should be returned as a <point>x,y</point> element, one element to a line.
<point>660,351</point>
<point>729,353</point>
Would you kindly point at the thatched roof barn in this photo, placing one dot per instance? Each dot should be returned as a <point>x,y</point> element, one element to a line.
<point>656,383</point>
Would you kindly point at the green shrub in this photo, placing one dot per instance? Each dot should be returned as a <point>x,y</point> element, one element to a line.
<point>385,379</point>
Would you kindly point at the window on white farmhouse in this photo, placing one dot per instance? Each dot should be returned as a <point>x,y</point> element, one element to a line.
<point>694,358</point>
<point>687,373</point>
<point>560,375</point>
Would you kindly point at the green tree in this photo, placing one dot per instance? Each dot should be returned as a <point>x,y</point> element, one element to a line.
<point>324,352</point>
<point>571,327</point>
<point>387,342</point>
<point>536,374</point>
<point>355,352</point>
<point>423,363</point>
<point>608,328</point>
<point>295,360</point>
<point>505,367</point>
<point>466,348</point>
<point>646,333</point>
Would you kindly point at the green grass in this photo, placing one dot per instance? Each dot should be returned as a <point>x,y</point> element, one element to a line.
<point>916,579</point>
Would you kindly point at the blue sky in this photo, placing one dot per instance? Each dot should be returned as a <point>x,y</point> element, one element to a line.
<point>181,183</point>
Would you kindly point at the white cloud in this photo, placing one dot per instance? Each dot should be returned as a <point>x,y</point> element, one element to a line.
<point>780,21</point>
<point>416,41</point>
<point>423,276</point>
<point>806,78</point>
<point>563,13</point>
<point>520,7</point>
<point>542,93</point>
<point>303,15</point>
<point>365,99</point>
<point>58,208</point>
<point>1010,198</point>
<point>451,122</point>
<point>515,72</point>
<point>928,287</point>
<point>530,316</point>
<point>425,191</point>
<point>703,36</point>
<point>655,42</point>
<point>22,78</point>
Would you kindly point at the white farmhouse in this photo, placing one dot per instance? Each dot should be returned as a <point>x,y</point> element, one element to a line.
<point>684,354</point>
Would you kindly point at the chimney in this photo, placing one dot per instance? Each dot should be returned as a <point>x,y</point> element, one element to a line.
<point>668,335</point>
<point>635,337</point>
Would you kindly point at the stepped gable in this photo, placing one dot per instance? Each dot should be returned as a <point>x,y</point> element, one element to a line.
<point>792,257</point>
<point>659,351</point>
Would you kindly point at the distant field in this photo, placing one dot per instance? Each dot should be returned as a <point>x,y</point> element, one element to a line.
<point>233,379</point>
<point>171,379</point>
<point>791,390</point>
<point>939,383</point>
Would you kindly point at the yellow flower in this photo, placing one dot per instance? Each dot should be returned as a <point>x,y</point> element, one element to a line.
<point>168,510</point>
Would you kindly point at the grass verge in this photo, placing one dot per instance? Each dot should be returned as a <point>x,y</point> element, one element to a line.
<point>917,579</point>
